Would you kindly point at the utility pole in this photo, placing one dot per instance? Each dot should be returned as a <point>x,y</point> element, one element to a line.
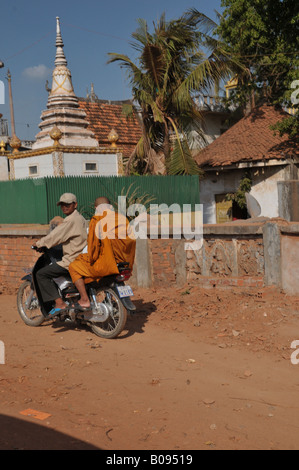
<point>2,87</point>
<point>15,142</point>
<point>12,116</point>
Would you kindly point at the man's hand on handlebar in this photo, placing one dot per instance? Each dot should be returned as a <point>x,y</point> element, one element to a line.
<point>39,250</point>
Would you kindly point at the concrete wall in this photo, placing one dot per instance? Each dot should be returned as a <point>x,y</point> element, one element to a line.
<point>288,197</point>
<point>74,164</point>
<point>58,163</point>
<point>289,263</point>
<point>216,183</point>
<point>3,168</point>
<point>44,165</point>
<point>214,125</point>
<point>264,188</point>
<point>240,255</point>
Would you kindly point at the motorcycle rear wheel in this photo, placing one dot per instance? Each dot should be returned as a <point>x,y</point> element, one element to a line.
<point>31,315</point>
<point>116,322</point>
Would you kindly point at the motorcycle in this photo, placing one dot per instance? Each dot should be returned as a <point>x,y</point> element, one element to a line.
<point>110,299</point>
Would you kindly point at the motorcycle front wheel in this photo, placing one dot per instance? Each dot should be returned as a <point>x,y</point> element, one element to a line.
<point>28,306</point>
<point>117,319</point>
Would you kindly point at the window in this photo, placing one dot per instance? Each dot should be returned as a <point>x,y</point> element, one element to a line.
<point>91,167</point>
<point>33,170</point>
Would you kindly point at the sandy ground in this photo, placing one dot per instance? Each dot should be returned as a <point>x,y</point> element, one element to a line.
<point>194,369</point>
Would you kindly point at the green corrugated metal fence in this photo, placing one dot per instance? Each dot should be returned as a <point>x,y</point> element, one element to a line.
<point>23,202</point>
<point>34,200</point>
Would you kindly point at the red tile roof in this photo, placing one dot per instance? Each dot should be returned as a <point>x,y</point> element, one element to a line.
<point>103,117</point>
<point>251,139</point>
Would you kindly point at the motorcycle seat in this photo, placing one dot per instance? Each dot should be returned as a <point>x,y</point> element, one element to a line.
<point>123,266</point>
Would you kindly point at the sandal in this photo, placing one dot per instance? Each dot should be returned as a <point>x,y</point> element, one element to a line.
<point>79,308</point>
<point>56,311</point>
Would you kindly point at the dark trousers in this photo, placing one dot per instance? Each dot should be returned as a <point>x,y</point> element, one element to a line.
<point>45,281</point>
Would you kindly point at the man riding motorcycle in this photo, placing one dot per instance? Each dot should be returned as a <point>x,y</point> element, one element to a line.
<point>71,234</point>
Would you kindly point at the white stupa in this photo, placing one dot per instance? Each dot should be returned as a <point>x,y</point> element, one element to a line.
<point>63,109</point>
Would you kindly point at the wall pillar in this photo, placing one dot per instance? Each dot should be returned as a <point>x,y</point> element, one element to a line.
<point>142,272</point>
<point>288,200</point>
<point>272,254</point>
<point>3,168</point>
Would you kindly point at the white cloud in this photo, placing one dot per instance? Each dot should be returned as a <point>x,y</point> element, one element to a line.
<point>37,72</point>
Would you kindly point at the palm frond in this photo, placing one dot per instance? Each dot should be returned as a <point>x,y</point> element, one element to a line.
<point>181,161</point>
<point>124,59</point>
<point>141,35</point>
<point>135,73</point>
<point>199,20</point>
<point>203,77</point>
<point>153,61</point>
<point>158,115</point>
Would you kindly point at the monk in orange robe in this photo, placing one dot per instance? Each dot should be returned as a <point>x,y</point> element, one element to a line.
<point>110,241</point>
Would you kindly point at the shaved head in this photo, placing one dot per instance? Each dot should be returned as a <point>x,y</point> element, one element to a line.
<point>101,200</point>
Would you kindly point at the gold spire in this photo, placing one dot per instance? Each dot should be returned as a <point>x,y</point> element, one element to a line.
<point>113,137</point>
<point>15,143</point>
<point>56,135</point>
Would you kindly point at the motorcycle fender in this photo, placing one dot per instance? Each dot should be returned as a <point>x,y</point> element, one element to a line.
<point>128,304</point>
<point>126,301</point>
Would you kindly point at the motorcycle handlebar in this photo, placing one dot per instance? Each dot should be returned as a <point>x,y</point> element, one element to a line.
<point>40,250</point>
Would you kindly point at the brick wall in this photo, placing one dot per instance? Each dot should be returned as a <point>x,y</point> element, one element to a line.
<point>239,256</point>
<point>163,261</point>
<point>15,257</point>
<point>222,261</point>
<point>226,260</point>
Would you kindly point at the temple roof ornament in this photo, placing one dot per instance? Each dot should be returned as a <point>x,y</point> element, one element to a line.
<point>113,138</point>
<point>61,78</point>
<point>60,57</point>
<point>63,107</point>
<point>15,143</point>
<point>55,135</point>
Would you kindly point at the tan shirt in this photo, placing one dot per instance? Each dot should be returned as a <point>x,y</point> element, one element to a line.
<point>71,234</point>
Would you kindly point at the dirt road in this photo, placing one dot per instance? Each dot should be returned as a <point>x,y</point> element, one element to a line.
<point>195,369</point>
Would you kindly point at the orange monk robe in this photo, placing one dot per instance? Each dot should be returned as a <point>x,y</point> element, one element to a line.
<point>110,241</point>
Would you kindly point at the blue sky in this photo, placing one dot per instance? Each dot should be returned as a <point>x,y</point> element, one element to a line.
<point>90,30</point>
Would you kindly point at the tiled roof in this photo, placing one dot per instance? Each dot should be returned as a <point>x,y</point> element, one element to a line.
<point>103,117</point>
<point>251,139</point>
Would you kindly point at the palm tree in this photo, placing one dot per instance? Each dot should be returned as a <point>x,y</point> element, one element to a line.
<point>171,67</point>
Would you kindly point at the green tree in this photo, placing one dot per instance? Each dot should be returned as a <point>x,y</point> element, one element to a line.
<point>178,59</point>
<point>239,197</point>
<point>265,36</point>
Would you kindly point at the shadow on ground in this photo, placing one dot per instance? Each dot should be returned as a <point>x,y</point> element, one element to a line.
<point>135,324</point>
<point>18,434</point>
